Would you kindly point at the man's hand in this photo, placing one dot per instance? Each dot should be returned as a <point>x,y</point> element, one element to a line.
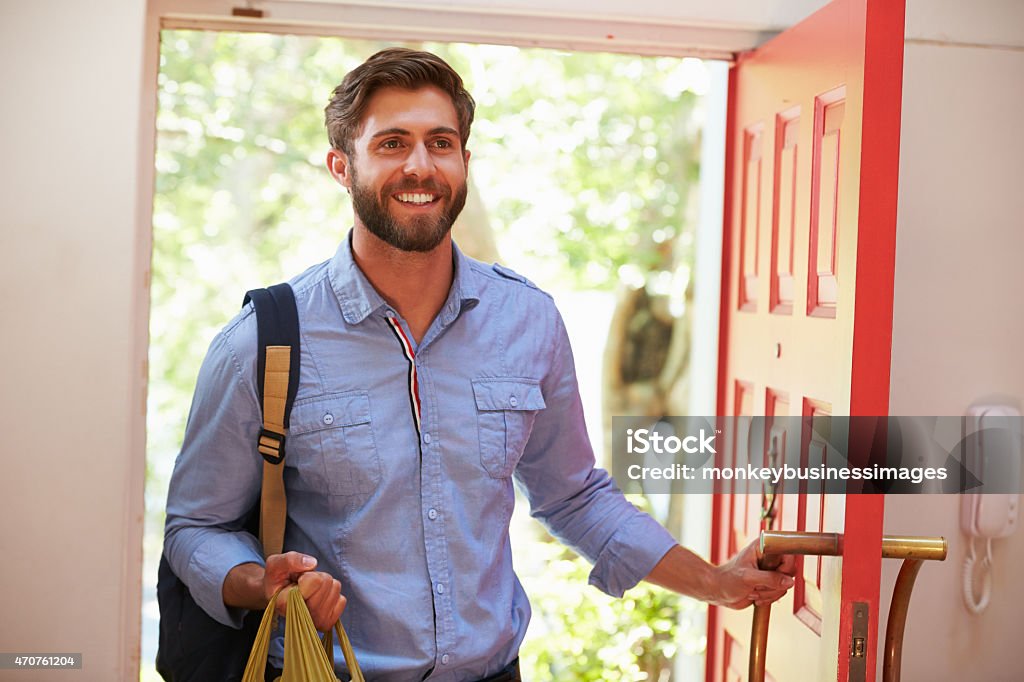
<point>737,583</point>
<point>741,583</point>
<point>251,586</point>
<point>321,592</point>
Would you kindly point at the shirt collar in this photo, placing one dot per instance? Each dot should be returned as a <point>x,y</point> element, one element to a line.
<point>358,298</point>
<point>465,291</point>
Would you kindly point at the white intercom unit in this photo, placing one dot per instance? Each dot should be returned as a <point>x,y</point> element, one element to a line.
<point>993,455</point>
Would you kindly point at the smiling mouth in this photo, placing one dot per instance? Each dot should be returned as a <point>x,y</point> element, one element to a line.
<point>416,198</point>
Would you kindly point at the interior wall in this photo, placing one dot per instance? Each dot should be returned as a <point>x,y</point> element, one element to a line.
<point>71,408</point>
<point>992,23</point>
<point>957,318</point>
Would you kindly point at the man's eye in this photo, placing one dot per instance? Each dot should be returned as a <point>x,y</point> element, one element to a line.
<point>443,144</point>
<point>390,144</point>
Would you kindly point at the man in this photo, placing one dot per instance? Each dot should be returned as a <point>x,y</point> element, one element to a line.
<point>428,381</point>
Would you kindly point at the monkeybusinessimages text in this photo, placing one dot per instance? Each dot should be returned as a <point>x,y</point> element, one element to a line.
<point>645,441</point>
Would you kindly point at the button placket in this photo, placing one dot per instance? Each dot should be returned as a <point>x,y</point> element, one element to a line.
<point>430,472</point>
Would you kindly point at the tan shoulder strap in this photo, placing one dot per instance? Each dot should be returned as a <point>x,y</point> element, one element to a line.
<point>277,376</point>
<point>273,503</point>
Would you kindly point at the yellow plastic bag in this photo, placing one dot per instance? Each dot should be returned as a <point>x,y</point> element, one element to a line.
<point>306,658</point>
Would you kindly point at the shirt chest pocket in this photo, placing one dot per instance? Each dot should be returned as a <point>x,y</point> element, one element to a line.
<point>331,445</point>
<point>506,409</point>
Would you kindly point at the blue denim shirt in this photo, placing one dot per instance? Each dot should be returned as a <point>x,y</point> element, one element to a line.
<point>411,517</point>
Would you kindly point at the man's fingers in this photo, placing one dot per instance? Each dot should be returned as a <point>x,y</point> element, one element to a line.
<point>743,583</point>
<point>332,615</point>
<point>310,584</point>
<point>281,606</point>
<point>772,580</point>
<point>767,596</point>
<point>771,588</point>
<point>289,565</point>
<point>283,569</point>
<point>783,581</point>
<point>338,610</point>
<point>320,591</point>
<point>323,597</point>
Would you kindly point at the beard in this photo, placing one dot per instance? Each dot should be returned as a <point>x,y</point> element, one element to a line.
<point>419,233</point>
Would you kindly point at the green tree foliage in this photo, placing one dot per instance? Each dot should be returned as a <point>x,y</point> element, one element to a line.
<point>580,634</point>
<point>583,162</point>
<point>587,159</point>
<point>242,197</point>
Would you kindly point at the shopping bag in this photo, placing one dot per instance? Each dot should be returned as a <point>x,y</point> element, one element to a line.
<point>307,658</point>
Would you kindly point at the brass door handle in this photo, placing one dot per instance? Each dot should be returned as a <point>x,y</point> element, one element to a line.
<point>913,550</point>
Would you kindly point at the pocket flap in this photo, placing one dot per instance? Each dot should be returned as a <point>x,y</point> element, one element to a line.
<point>330,412</point>
<point>508,394</point>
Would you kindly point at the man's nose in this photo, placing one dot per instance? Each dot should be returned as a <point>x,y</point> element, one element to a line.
<point>419,162</point>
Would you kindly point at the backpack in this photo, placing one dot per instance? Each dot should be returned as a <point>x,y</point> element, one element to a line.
<point>193,647</point>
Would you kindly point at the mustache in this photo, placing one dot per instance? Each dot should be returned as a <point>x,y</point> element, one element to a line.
<point>413,186</point>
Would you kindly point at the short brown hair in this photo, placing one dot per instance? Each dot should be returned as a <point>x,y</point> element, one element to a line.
<point>394,67</point>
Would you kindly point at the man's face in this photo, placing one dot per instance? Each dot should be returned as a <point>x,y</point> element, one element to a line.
<point>407,174</point>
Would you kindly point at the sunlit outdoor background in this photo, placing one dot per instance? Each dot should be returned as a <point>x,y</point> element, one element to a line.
<point>583,178</point>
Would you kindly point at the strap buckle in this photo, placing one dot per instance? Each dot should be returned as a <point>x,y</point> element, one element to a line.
<point>270,444</point>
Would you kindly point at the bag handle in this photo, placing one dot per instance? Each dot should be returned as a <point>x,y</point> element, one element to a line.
<point>299,626</point>
<point>346,650</point>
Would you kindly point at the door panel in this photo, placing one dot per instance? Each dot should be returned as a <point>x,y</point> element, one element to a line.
<point>809,240</point>
<point>787,136</point>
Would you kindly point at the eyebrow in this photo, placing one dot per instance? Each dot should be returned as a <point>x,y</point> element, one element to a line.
<point>440,130</point>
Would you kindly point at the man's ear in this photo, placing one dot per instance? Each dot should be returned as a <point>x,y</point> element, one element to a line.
<point>339,168</point>
<point>465,158</point>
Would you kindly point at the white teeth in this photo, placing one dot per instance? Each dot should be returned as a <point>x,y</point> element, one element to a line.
<point>416,198</point>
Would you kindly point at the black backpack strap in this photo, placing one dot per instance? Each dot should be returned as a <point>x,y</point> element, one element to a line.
<point>277,365</point>
<point>193,647</point>
<point>277,324</point>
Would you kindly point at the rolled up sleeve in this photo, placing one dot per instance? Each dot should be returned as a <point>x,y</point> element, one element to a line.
<point>578,503</point>
<point>216,481</point>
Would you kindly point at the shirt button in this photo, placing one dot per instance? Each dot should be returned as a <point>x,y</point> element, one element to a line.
<point>513,401</point>
<point>440,588</point>
<point>445,659</point>
<point>426,438</point>
<point>390,314</point>
<point>328,419</point>
<point>432,514</point>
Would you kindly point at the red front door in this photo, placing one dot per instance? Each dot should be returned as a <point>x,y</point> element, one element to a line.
<point>812,164</point>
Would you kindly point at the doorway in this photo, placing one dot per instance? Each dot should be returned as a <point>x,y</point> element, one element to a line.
<point>241,199</point>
